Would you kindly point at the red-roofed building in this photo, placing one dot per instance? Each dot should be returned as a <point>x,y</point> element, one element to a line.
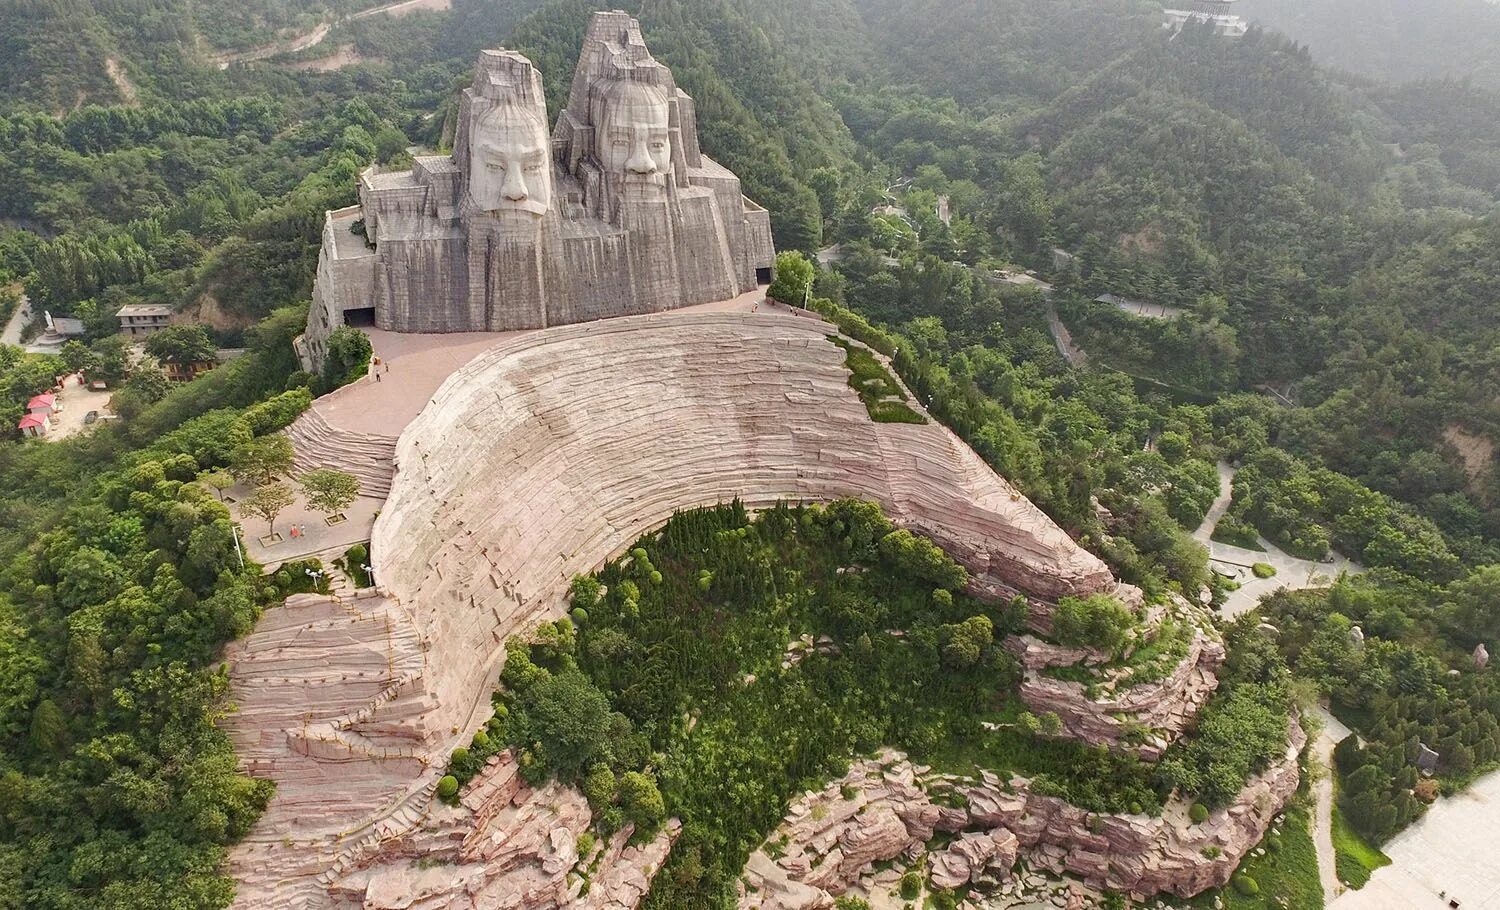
<point>43,404</point>
<point>34,425</point>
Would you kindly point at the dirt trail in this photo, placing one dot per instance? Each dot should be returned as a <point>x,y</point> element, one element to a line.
<point>121,79</point>
<point>315,37</point>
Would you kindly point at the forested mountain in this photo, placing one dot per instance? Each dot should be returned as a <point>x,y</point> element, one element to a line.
<point>1331,238</point>
<point>1399,40</point>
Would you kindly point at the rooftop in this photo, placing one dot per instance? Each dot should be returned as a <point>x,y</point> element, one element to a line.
<point>45,400</point>
<point>30,421</point>
<point>143,309</point>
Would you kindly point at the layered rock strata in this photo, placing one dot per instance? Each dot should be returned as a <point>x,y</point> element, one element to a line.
<point>551,453</point>
<point>504,847</point>
<point>1142,719</point>
<point>884,810</point>
<point>541,459</point>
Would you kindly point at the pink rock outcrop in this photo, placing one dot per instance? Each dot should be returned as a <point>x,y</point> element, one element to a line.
<point>505,846</point>
<point>1139,717</point>
<point>969,857</point>
<point>1137,854</point>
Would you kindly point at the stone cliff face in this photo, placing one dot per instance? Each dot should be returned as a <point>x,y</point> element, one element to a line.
<point>541,459</point>
<point>1144,719</point>
<point>504,847</point>
<point>883,809</point>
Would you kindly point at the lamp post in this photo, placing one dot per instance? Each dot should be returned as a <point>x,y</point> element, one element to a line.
<point>315,576</point>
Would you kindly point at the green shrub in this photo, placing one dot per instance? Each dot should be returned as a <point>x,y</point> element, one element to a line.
<point>481,740</point>
<point>599,786</point>
<point>585,844</point>
<point>447,787</point>
<point>1097,621</point>
<point>1198,813</point>
<point>1263,570</point>
<point>1273,843</point>
<point>579,615</point>
<point>277,413</point>
<point>460,756</point>
<point>1245,885</point>
<point>911,885</point>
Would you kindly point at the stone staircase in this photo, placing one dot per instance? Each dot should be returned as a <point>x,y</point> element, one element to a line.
<point>370,457</point>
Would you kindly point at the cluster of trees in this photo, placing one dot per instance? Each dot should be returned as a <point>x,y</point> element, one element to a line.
<point>1066,439</point>
<point>1407,681</point>
<point>668,695</point>
<point>1242,729</point>
<point>120,586</point>
<point>1306,511</point>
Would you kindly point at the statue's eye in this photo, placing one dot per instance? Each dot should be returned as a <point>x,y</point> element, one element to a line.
<point>534,169</point>
<point>495,166</point>
<point>621,143</point>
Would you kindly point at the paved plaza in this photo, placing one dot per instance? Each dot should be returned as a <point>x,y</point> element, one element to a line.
<point>412,367</point>
<point>1454,849</point>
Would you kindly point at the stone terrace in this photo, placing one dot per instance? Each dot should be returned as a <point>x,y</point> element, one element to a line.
<point>545,456</point>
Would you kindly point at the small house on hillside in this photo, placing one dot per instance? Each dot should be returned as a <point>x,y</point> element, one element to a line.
<point>180,371</point>
<point>34,425</point>
<point>143,318</point>
<point>42,405</point>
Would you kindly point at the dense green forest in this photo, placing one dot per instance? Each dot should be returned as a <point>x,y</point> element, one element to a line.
<point>1329,238</point>
<point>727,664</point>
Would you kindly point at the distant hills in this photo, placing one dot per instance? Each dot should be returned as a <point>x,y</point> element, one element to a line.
<point>1398,40</point>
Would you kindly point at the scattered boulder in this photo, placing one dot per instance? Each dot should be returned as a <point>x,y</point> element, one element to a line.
<point>967,859</point>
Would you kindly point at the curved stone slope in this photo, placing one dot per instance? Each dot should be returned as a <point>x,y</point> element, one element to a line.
<point>549,454</point>
<point>541,459</point>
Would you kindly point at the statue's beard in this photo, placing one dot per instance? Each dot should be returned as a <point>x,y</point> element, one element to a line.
<point>641,186</point>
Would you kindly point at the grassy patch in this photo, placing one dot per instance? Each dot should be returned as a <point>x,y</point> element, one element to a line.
<point>1096,780</point>
<point>1354,858</point>
<point>1287,878</point>
<point>1236,533</point>
<point>883,396</point>
<point>1263,570</point>
<point>893,412</point>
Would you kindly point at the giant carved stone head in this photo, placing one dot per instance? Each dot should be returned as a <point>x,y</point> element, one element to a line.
<point>632,132</point>
<point>510,162</point>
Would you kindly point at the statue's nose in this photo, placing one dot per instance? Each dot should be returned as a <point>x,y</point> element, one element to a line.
<point>640,161</point>
<point>514,188</point>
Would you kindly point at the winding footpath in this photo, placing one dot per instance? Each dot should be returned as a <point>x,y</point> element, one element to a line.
<point>1292,572</point>
<point>1295,574</point>
<point>315,37</point>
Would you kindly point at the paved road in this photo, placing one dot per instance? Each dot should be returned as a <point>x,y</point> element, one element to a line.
<point>1291,572</point>
<point>1332,733</point>
<point>18,320</point>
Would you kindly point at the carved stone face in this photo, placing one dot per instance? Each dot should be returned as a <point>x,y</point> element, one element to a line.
<point>510,162</point>
<point>632,136</point>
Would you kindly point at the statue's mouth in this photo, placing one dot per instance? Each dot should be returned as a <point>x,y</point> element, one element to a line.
<point>522,207</point>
